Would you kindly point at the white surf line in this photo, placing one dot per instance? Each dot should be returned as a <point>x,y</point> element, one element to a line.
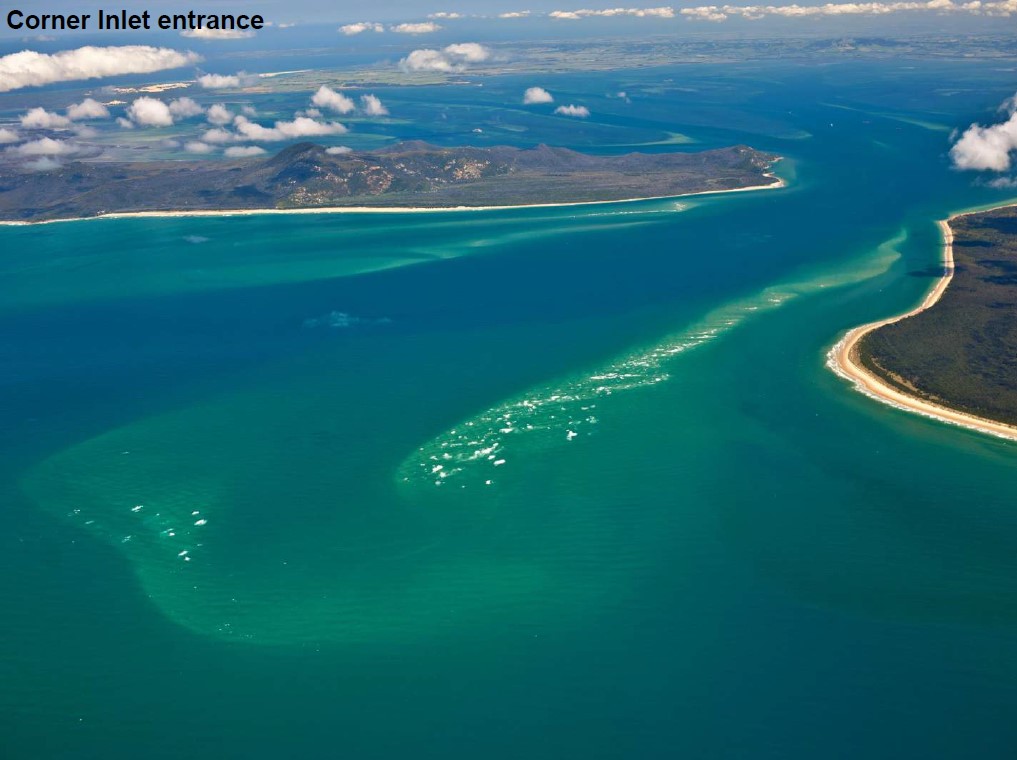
<point>776,184</point>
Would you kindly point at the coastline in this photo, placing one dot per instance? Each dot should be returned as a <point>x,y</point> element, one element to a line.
<point>777,183</point>
<point>843,359</point>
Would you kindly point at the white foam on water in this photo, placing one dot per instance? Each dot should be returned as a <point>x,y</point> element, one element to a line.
<point>563,412</point>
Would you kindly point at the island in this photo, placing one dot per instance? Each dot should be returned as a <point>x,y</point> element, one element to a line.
<point>406,175</point>
<point>954,357</point>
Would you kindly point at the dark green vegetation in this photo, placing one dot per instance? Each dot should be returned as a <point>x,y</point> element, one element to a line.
<point>963,351</point>
<point>408,174</point>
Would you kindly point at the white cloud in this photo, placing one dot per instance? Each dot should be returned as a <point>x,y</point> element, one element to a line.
<point>87,109</point>
<point>444,14</point>
<point>40,118</point>
<point>225,81</point>
<point>217,34</point>
<point>184,108</point>
<point>535,95</point>
<point>43,164</point>
<point>197,146</point>
<point>662,12</point>
<point>704,13</point>
<point>373,106</point>
<point>152,112</point>
<point>29,68</point>
<point>301,126</point>
<point>579,112</point>
<point>987,148</point>
<point>451,58</point>
<point>470,52</point>
<point>249,110</point>
<point>514,14</point>
<point>364,26</point>
<point>1003,183</point>
<point>44,146</point>
<point>338,150</point>
<point>755,12</point>
<point>8,136</point>
<point>218,114</point>
<point>423,28</point>
<point>427,60</point>
<point>328,98</point>
<point>218,136</point>
<point>244,151</point>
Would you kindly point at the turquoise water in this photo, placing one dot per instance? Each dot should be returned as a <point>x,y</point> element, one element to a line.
<point>551,483</point>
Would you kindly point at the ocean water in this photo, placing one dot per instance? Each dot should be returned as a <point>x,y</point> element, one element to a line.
<point>567,482</point>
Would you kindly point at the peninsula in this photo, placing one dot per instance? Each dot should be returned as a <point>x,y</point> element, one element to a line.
<point>954,357</point>
<point>406,175</point>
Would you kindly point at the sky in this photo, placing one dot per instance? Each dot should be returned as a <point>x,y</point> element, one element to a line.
<point>897,16</point>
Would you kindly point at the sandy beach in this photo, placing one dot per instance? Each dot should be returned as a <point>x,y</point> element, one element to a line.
<point>777,183</point>
<point>844,360</point>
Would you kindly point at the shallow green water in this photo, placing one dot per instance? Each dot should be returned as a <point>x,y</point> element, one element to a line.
<point>545,482</point>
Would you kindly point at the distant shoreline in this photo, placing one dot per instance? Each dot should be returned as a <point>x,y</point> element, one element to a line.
<point>844,360</point>
<point>777,183</point>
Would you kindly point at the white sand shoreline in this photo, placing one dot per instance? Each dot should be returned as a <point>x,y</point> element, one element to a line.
<point>777,183</point>
<point>843,358</point>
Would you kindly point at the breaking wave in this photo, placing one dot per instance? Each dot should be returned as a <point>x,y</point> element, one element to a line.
<point>476,451</point>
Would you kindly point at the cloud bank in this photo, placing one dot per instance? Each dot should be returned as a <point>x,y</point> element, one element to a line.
<point>31,69</point>
<point>717,13</point>
<point>756,12</point>
<point>663,12</point>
